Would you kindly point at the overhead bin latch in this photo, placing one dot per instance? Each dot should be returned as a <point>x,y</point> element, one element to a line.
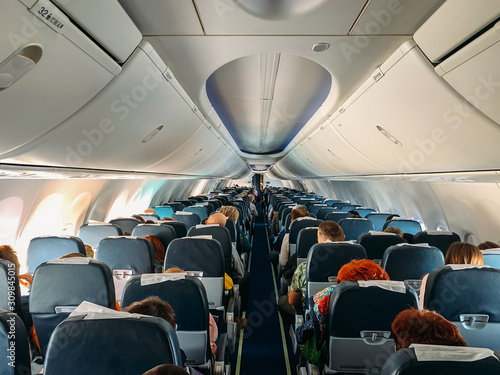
<point>378,74</point>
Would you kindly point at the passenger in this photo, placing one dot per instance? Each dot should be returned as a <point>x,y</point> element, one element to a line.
<point>312,340</point>
<point>355,215</point>
<point>458,253</point>
<point>150,211</point>
<point>394,230</point>
<point>242,242</point>
<point>153,306</point>
<point>424,327</point>
<point>72,255</point>
<point>328,231</point>
<point>408,237</point>
<point>212,326</point>
<point>298,213</point>
<point>159,249</point>
<point>140,218</point>
<point>253,209</point>
<point>488,245</point>
<point>89,250</point>
<point>166,370</point>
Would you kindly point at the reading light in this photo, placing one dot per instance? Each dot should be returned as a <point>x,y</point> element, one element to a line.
<point>152,134</point>
<point>320,47</point>
<point>389,136</point>
<point>18,64</point>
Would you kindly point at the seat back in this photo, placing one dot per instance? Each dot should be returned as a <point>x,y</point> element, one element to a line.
<point>410,262</point>
<point>200,255</point>
<point>406,225</point>
<point>323,211</point>
<point>179,227</point>
<point>176,206</point>
<point>329,202</point>
<point>316,207</point>
<point>188,218</point>
<point>96,342</point>
<point>363,211</point>
<point>151,217</point>
<point>233,232</point>
<point>339,205</point>
<point>126,224</point>
<point>336,216</point>
<point>440,239</point>
<point>491,257</point>
<point>14,344</point>
<point>199,210</point>
<point>164,233</point>
<point>441,359</point>
<point>60,286</point>
<point>349,207</point>
<point>285,211</point>
<point>127,253</point>
<point>221,234</point>
<point>92,234</point>
<point>42,249</point>
<point>10,292</point>
<point>188,298</point>
<point>325,260</point>
<point>353,228</point>
<point>378,219</point>
<point>186,202</point>
<point>360,315</point>
<point>306,239</point>
<point>286,223</point>
<point>464,294</point>
<point>296,226</point>
<point>163,211</point>
<point>375,243</point>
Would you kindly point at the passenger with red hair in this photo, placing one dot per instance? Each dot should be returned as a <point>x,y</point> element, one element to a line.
<point>424,327</point>
<point>158,248</point>
<point>312,334</point>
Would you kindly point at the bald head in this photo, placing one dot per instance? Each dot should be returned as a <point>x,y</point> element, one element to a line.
<point>217,218</point>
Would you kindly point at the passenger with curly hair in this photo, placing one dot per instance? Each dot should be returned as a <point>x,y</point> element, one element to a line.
<point>424,327</point>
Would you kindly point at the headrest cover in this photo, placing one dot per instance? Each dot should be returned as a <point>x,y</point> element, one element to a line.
<point>73,260</point>
<point>413,244</point>
<point>200,226</point>
<point>183,213</point>
<point>491,251</point>
<point>425,352</point>
<point>91,309</point>
<point>375,233</point>
<point>157,278</point>
<point>439,232</point>
<point>456,267</point>
<point>394,286</point>
<point>201,237</point>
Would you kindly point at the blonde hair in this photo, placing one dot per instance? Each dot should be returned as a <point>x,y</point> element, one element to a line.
<point>89,250</point>
<point>230,212</point>
<point>463,253</point>
<point>8,253</point>
<point>394,230</point>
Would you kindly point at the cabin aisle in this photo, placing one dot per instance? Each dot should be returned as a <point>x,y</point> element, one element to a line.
<point>262,351</point>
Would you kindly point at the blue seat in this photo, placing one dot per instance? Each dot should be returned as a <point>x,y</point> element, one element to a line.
<point>491,257</point>
<point>10,292</point>
<point>150,217</point>
<point>296,226</point>
<point>337,216</point>
<point>353,228</point>
<point>306,239</point>
<point>200,255</point>
<point>440,359</point>
<point>349,207</point>
<point>188,218</point>
<point>176,206</point>
<point>338,205</point>
<point>221,234</point>
<point>14,344</point>
<point>92,234</point>
<point>406,225</point>
<point>410,262</point>
<point>188,298</point>
<point>199,210</point>
<point>163,211</point>
<point>126,224</point>
<point>378,219</point>
<point>112,344</point>
<point>440,239</point>
<point>286,223</point>
<point>42,249</point>
<point>375,243</point>
<point>329,202</point>
<point>164,233</point>
<point>323,211</point>
<point>133,254</point>
<point>179,227</point>
<point>360,315</point>
<point>324,262</point>
<point>467,296</point>
<point>316,207</point>
<point>233,231</point>
<point>362,211</point>
<point>59,286</point>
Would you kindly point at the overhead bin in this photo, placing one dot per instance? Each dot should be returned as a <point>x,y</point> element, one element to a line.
<point>138,122</point>
<point>454,23</point>
<point>50,85</point>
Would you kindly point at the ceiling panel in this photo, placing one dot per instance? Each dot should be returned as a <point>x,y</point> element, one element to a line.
<point>163,17</point>
<point>394,17</point>
<point>331,17</point>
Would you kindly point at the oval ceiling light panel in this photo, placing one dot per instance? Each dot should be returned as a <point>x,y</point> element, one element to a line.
<point>277,9</point>
<point>264,100</point>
